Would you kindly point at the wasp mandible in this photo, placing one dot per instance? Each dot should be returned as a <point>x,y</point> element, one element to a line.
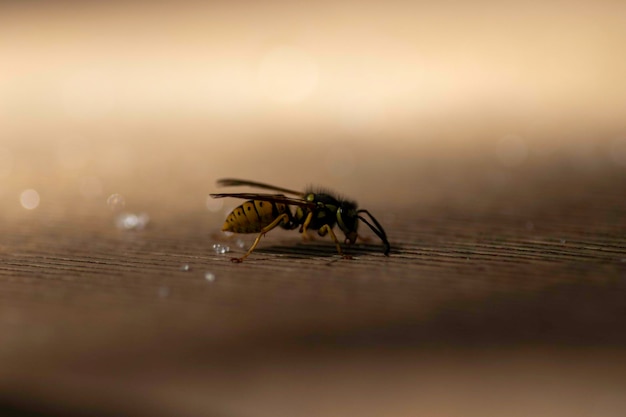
<point>314,210</point>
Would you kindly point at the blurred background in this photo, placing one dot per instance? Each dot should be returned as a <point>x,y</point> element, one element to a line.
<point>488,137</point>
<point>398,97</point>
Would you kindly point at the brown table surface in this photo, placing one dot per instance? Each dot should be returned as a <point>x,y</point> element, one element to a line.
<point>488,138</point>
<point>504,295</point>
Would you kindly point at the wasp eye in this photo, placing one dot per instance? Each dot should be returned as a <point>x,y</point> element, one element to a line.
<point>347,219</point>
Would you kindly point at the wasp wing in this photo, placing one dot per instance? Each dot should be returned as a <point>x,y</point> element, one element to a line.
<point>273,198</point>
<point>233,182</point>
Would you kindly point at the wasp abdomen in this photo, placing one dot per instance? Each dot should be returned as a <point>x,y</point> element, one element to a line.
<point>252,216</point>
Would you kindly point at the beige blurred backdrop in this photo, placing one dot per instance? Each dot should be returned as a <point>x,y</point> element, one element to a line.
<point>387,101</point>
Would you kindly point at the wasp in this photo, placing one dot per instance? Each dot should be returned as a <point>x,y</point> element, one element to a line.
<point>309,210</point>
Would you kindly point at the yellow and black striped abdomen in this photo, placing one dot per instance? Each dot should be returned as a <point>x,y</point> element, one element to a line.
<point>252,216</point>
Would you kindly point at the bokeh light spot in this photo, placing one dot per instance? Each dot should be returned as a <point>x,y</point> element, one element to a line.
<point>116,202</point>
<point>29,199</point>
<point>132,221</point>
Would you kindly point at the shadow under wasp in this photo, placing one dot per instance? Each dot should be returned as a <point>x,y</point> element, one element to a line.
<point>314,210</point>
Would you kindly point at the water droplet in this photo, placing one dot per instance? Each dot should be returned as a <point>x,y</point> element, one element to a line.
<point>185,268</point>
<point>209,276</point>
<point>563,241</point>
<point>227,233</point>
<point>240,243</point>
<point>221,249</point>
<point>132,221</point>
<point>116,202</point>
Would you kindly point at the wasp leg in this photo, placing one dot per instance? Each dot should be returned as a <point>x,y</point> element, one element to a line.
<point>266,229</point>
<point>326,229</point>
<point>305,225</point>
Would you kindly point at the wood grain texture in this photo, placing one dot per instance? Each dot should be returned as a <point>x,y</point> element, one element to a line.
<point>490,302</point>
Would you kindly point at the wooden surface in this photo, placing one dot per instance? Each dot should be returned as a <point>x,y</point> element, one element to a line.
<point>496,300</point>
<point>488,139</point>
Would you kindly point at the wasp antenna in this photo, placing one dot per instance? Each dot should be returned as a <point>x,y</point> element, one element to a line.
<point>378,229</point>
